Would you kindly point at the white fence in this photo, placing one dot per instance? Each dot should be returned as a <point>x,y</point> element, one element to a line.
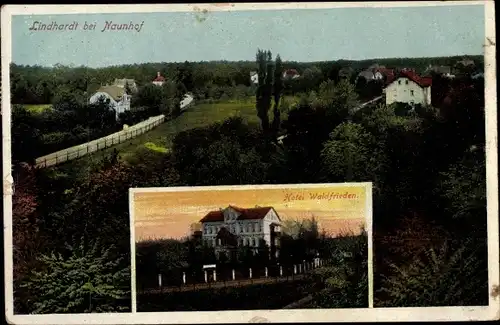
<point>99,144</point>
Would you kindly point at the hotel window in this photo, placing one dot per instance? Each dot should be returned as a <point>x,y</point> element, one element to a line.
<point>411,92</point>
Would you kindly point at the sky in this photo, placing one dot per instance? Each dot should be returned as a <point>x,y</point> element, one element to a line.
<point>297,35</point>
<point>170,214</point>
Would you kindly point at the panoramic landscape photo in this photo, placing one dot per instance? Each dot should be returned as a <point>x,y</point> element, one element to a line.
<point>264,247</point>
<point>248,97</point>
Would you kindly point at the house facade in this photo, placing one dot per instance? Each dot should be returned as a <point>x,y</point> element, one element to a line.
<point>117,97</point>
<point>254,77</point>
<point>234,227</point>
<point>409,88</point>
<point>159,80</point>
<point>291,74</point>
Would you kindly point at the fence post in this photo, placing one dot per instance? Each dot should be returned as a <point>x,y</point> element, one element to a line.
<point>206,278</point>
<point>266,271</point>
<point>233,275</point>
<point>215,275</point>
<point>159,281</point>
<point>184,277</point>
<point>281,270</point>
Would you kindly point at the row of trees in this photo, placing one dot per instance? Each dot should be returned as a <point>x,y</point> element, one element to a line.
<point>42,85</point>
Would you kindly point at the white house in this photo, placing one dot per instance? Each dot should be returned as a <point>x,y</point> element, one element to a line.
<point>254,77</point>
<point>159,80</point>
<point>117,97</point>
<point>236,227</point>
<point>291,74</point>
<point>409,88</point>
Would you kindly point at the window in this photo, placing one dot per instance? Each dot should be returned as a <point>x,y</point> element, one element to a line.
<point>251,241</point>
<point>399,82</point>
<point>256,242</point>
<point>411,92</point>
<point>260,227</point>
<point>255,227</point>
<point>244,241</point>
<point>406,81</point>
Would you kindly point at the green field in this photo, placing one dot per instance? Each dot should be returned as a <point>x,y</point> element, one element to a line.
<point>159,139</point>
<point>36,109</point>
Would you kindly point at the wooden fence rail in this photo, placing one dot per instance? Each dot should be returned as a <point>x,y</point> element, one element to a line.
<point>81,150</point>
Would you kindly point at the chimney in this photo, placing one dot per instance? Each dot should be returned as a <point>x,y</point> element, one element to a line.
<point>158,74</point>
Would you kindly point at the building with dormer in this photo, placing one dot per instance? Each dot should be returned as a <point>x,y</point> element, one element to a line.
<point>234,227</point>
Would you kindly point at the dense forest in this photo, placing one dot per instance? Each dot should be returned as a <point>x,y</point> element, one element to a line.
<point>71,235</point>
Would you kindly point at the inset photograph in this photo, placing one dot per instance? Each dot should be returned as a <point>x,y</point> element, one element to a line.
<point>251,247</point>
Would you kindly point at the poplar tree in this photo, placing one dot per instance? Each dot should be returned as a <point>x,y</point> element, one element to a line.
<point>278,89</point>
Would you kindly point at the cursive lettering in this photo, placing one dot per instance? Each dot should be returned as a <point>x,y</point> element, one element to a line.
<point>111,26</point>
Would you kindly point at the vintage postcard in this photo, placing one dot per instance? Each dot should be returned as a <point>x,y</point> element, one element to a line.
<point>250,247</point>
<point>235,163</point>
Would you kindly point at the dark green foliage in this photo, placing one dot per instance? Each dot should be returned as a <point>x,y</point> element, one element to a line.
<point>89,280</point>
<point>427,166</point>
<point>265,87</point>
<point>440,276</point>
<point>345,279</point>
<point>222,154</point>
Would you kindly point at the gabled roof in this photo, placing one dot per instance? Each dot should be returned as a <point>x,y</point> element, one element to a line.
<point>213,216</point>
<point>421,81</point>
<point>245,214</point>
<point>159,78</point>
<point>367,74</point>
<point>115,92</point>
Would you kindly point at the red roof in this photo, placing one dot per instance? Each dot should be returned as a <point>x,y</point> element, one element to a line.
<point>213,216</point>
<point>159,77</point>
<point>245,214</point>
<point>421,81</point>
<point>291,72</point>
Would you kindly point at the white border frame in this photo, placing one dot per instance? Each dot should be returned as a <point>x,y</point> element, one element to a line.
<point>490,312</point>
